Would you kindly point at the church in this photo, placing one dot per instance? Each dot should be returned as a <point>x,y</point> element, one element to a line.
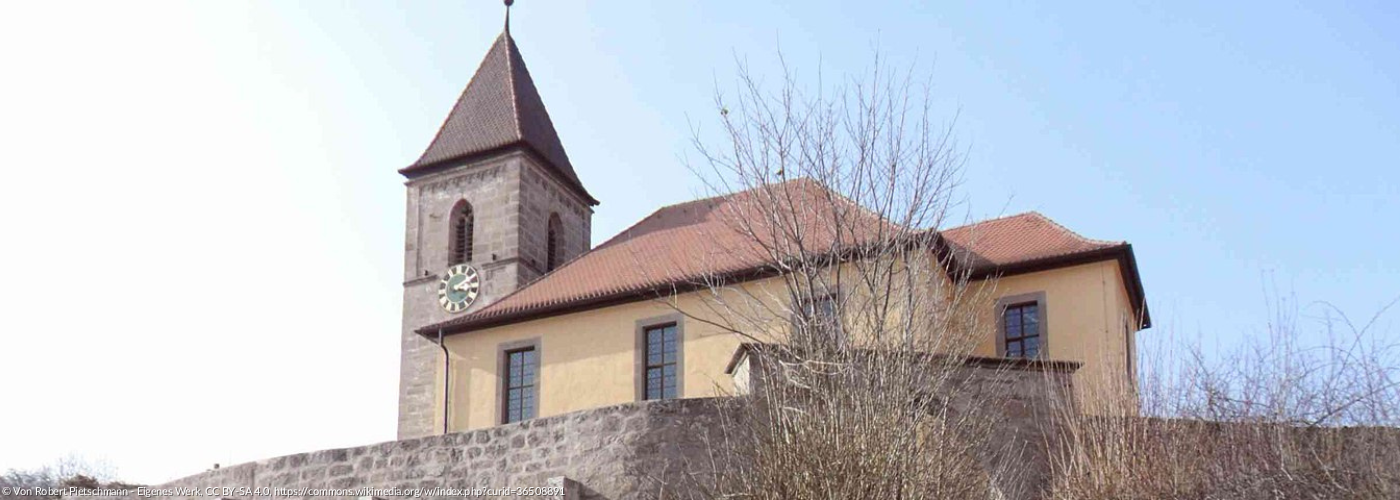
<point>509,314</point>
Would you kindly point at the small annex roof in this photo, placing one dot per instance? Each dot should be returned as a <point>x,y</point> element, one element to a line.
<point>500,109</point>
<point>678,247</point>
<point>1030,242</point>
<point>1019,239</point>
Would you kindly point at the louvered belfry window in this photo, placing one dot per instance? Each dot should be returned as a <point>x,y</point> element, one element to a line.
<point>552,243</point>
<point>462,227</point>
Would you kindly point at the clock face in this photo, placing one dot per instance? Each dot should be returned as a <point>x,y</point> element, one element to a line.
<point>458,289</point>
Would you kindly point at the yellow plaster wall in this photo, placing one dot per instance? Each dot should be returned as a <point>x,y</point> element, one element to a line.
<point>1087,311</point>
<point>588,358</point>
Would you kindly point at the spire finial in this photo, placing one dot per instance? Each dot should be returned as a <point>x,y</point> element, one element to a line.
<point>508,4</point>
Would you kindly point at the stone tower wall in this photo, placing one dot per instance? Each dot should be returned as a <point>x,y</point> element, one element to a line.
<point>540,196</point>
<point>511,199</point>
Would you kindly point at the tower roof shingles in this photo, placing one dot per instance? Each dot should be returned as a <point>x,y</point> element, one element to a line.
<point>499,109</point>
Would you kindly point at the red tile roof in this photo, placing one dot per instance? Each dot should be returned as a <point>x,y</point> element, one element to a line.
<point>678,246</point>
<point>1019,239</point>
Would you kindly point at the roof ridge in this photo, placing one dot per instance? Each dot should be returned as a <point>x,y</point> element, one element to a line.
<point>841,197</point>
<point>984,221</point>
<point>677,205</point>
<point>513,82</point>
<point>628,229</point>
<point>1041,216</point>
<point>741,191</point>
<point>1071,231</point>
<point>707,198</point>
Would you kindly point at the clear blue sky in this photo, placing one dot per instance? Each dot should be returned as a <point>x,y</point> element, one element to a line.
<point>204,224</point>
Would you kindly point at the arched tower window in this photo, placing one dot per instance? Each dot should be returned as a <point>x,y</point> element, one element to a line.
<point>463,222</point>
<point>552,245</point>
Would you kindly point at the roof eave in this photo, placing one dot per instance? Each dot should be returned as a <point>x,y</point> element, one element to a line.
<point>631,295</point>
<point>1136,292</point>
<point>1122,252</point>
<point>467,325</point>
<point>474,324</point>
<point>418,170</point>
<point>747,349</point>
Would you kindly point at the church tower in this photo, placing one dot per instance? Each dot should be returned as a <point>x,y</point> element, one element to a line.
<point>494,191</point>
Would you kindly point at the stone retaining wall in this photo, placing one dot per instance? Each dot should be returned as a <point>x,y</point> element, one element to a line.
<point>613,452</point>
<point>619,452</point>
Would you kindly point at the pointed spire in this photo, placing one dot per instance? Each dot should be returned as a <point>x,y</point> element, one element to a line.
<point>499,110</point>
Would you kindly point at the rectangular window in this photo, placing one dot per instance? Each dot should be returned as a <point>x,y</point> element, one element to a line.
<point>1021,330</point>
<point>662,357</point>
<point>823,310</point>
<point>519,396</point>
<point>824,317</point>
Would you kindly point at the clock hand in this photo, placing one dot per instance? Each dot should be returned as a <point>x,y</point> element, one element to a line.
<point>460,286</point>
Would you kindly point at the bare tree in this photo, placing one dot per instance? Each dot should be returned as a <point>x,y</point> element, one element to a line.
<point>1279,417</point>
<point>860,324</point>
<point>859,329</point>
<point>70,470</point>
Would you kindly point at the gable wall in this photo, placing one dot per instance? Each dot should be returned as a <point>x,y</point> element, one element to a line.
<point>1087,310</point>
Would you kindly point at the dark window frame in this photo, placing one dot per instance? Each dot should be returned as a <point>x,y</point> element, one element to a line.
<point>462,233</point>
<point>1042,335</point>
<point>809,303</point>
<point>642,364</point>
<point>1021,338</point>
<point>504,365</point>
